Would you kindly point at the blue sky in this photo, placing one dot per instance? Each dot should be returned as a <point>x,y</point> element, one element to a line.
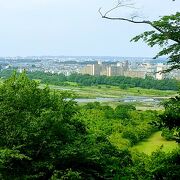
<point>74,27</point>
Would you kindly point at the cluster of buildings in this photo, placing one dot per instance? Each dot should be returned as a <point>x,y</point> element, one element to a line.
<point>107,66</point>
<point>125,68</point>
<point>47,64</point>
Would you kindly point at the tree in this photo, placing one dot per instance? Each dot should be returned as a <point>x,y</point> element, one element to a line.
<point>167,36</point>
<point>122,111</point>
<point>171,117</point>
<point>42,137</point>
<point>36,127</point>
<point>166,33</point>
<point>160,165</point>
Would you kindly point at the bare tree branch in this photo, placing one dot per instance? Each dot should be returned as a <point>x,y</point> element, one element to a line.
<point>120,4</point>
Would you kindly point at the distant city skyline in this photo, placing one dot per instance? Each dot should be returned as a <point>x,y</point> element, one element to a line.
<point>98,66</point>
<point>74,28</point>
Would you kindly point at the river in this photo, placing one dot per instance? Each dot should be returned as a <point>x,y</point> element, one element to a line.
<point>148,99</point>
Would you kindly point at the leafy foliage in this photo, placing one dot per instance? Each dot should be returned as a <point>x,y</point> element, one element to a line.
<point>159,165</point>
<point>45,136</point>
<point>124,126</point>
<point>41,138</point>
<point>167,36</point>
<point>171,117</point>
<point>33,124</point>
<point>122,111</point>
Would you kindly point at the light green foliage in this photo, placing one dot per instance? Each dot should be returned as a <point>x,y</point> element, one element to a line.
<point>33,125</point>
<point>123,126</point>
<point>41,137</point>
<point>142,166</point>
<point>139,126</point>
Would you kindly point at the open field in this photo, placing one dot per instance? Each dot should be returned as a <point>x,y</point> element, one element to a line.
<point>112,91</point>
<point>153,143</point>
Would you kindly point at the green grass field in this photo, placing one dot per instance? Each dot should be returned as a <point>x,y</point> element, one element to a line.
<point>153,143</point>
<point>112,91</point>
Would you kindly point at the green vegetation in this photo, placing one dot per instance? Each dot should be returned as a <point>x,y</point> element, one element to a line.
<point>87,80</point>
<point>160,165</point>
<point>166,34</point>
<point>41,137</point>
<point>155,142</point>
<point>169,121</point>
<point>113,91</point>
<point>47,135</point>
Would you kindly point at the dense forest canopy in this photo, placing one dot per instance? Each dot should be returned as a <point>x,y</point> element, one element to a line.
<point>41,138</point>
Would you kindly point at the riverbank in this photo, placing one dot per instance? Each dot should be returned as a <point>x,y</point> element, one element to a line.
<point>143,99</point>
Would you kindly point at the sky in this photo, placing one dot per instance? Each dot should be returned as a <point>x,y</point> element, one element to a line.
<point>75,28</point>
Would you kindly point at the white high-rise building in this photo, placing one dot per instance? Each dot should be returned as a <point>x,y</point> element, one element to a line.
<point>159,69</point>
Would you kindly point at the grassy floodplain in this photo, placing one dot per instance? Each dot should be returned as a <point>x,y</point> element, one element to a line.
<point>103,91</point>
<point>107,91</point>
<point>112,91</point>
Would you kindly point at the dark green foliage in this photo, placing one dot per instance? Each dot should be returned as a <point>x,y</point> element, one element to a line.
<point>45,136</point>
<point>131,135</point>
<point>122,111</point>
<point>108,112</point>
<point>167,37</point>
<point>159,165</point>
<point>171,117</point>
<point>167,134</point>
<point>124,82</point>
<point>87,80</point>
